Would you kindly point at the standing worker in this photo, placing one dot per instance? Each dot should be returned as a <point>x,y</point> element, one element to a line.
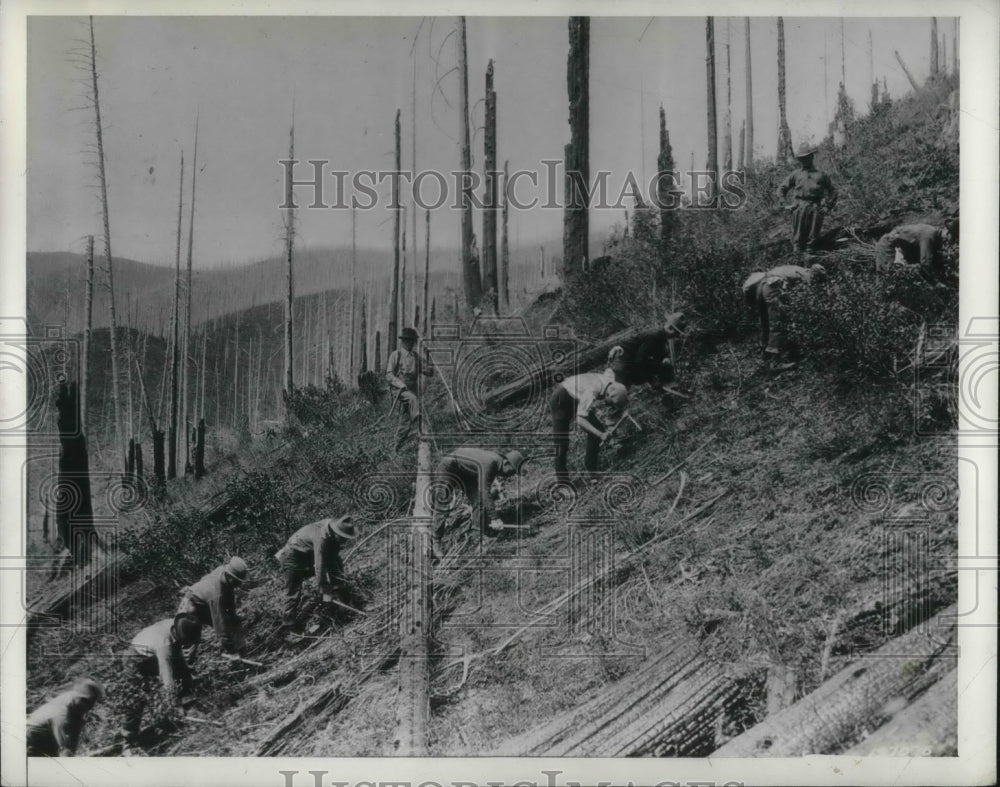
<point>313,550</point>
<point>475,470</point>
<point>579,396</point>
<point>403,371</point>
<point>769,294</point>
<point>158,651</point>
<point>212,602</point>
<point>53,729</point>
<point>809,188</point>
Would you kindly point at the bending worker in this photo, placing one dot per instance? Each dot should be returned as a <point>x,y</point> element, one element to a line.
<point>646,358</point>
<point>53,729</point>
<point>313,550</point>
<point>212,602</point>
<point>919,244</point>
<point>474,470</point>
<point>403,371</point>
<point>158,651</point>
<point>769,293</point>
<point>809,189</point>
<point>578,397</point>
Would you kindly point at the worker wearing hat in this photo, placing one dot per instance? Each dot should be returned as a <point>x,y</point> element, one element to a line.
<point>810,190</point>
<point>578,398</point>
<point>474,471</point>
<point>53,729</point>
<point>212,602</point>
<point>646,358</point>
<point>313,550</point>
<point>403,372</point>
<point>158,652</point>
<point>770,293</point>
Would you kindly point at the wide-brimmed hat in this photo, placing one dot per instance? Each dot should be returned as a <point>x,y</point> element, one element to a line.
<point>409,333</point>
<point>237,570</point>
<point>343,527</point>
<point>806,149</point>
<point>515,459</point>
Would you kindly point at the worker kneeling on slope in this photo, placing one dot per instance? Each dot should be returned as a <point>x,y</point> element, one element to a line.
<point>768,293</point>
<point>577,398</point>
<point>53,729</point>
<point>474,471</point>
<point>158,652</point>
<point>212,602</point>
<point>313,550</point>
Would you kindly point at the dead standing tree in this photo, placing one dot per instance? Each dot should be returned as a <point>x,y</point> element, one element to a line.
<point>185,355</point>
<point>119,443</point>
<point>727,130</point>
<point>471,276</point>
<point>394,287</point>
<point>491,283</point>
<point>175,351</point>
<point>576,220</point>
<point>505,248</point>
<point>289,257</point>
<point>87,329</point>
<point>712,165</point>
<point>784,133</point>
<point>749,91</point>
<point>935,62</point>
<point>665,186</point>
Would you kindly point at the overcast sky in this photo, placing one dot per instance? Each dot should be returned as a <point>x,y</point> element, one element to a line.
<point>348,77</point>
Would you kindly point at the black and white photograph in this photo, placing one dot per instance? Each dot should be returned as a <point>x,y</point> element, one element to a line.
<point>388,393</point>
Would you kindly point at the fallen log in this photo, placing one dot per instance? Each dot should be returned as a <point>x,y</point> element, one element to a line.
<point>927,727</point>
<point>89,589</point>
<point>542,377</point>
<point>667,708</point>
<point>833,716</point>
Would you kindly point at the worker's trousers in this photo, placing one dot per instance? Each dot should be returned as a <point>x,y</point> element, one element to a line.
<point>563,407</point>
<point>409,417</point>
<point>807,222</point>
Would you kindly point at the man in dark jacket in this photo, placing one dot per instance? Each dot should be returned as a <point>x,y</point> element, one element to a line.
<point>473,470</point>
<point>646,358</point>
<point>313,550</point>
<point>212,602</point>
<point>53,730</point>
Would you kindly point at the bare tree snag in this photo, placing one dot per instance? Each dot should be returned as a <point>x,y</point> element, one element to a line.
<point>113,332</point>
<point>175,351</point>
<point>741,165</point>
<point>727,128</point>
<point>491,279</point>
<point>712,164</point>
<point>75,522</point>
<point>576,216</point>
<point>351,366</point>
<point>505,248</point>
<point>199,450</point>
<point>87,330</point>
<point>290,272</point>
<point>427,267</point>
<point>394,289</point>
<point>186,416</point>
<point>471,276</point>
<point>909,76</point>
<point>935,61</point>
<point>784,133</point>
<point>749,91</point>
<point>665,186</point>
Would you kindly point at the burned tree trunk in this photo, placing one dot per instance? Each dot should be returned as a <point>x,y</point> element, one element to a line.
<point>427,270</point>
<point>576,217</point>
<point>492,283</point>
<point>185,356</point>
<point>394,290</point>
<point>290,295</point>
<point>109,261</point>
<point>87,328</point>
<point>749,91</point>
<point>727,128</point>
<point>73,507</point>
<point>505,249</point>
<point>471,276</point>
<point>935,60</point>
<point>199,450</point>
<point>784,134</point>
<point>712,164</point>
<point>175,352</point>
<point>665,186</point>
